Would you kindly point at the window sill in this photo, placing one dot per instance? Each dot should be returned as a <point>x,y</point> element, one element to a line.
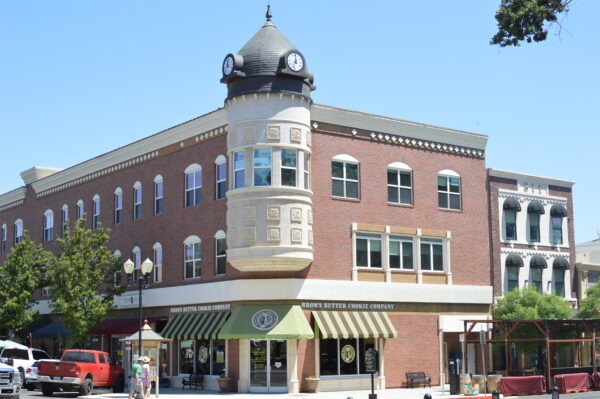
<point>405,271</point>
<point>191,278</point>
<point>369,269</point>
<point>399,205</point>
<point>346,376</point>
<point>450,210</point>
<point>434,272</point>
<point>345,199</point>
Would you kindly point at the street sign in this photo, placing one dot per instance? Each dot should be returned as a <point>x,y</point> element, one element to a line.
<point>371,360</point>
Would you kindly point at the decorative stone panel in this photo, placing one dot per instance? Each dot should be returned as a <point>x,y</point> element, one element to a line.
<point>295,135</point>
<point>249,234</point>
<point>273,234</point>
<point>249,213</point>
<point>310,237</point>
<point>296,236</point>
<point>273,133</point>
<point>274,213</point>
<point>296,214</point>
<point>310,217</point>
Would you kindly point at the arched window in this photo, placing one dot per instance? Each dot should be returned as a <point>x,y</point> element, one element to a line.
<point>220,177</point>
<point>158,195</point>
<point>449,189</point>
<point>118,206</point>
<point>559,268</point>
<point>510,207</point>
<point>117,275</point>
<point>537,264</point>
<point>80,209</point>
<point>557,213</point>
<point>399,180</point>
<point>193,185</point>
<point>48,225</point>
<point>345,176</point>
<point>534,210</point>
<point>192,257</point>
<point>64,220</point>
<point>136,258</point>
<point>158,258</point>
<point>512,265</point>
<point>18,233</point>
<point>3,234</point>
<point>137,200</point>
<point>95,211</point>
<point>220,252</point>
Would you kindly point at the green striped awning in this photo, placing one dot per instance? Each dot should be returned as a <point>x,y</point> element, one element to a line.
<point>195,325</point>
<point>337,324</point>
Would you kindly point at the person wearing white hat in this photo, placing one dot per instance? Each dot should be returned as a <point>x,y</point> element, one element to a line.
<point>147,385</point>
<point>135,383</point>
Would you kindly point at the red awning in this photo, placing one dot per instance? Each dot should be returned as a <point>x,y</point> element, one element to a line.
<point>120,326</point>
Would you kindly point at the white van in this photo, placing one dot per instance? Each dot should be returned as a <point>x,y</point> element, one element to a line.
<point>23,358</point>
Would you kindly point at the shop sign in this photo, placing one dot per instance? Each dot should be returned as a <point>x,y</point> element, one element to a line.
<point>201,308</point>
<point>264,319</point>
<point>348,353</point>
<point>348,306</point>
<point>371,360</point>
<point>220,357</point>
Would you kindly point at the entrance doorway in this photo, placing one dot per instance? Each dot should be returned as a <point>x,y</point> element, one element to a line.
<point>268,365</point>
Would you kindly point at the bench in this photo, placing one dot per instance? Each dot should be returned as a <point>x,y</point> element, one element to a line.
<point>195,380</point>
<point>418,378</point>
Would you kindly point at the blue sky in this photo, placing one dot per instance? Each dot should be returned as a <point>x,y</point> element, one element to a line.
<point>80,78</point>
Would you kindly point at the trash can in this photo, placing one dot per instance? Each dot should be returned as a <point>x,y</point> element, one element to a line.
<point>453,374</point>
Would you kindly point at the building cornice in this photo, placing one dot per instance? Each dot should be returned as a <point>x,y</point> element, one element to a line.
<point>525,197</point>
<point>12,198</point>
<point>516,176</point>
<point>398,131</point>
<point>193,131</point>
<point>525,253</point>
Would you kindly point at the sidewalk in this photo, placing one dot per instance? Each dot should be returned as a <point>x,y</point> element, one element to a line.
<point>400,393</point>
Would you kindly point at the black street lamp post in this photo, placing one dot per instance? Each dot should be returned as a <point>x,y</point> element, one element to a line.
<point>143,281</point>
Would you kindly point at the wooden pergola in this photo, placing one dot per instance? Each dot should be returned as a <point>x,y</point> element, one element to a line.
<point>548,329</point>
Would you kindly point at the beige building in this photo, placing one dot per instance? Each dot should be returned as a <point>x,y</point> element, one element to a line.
<point>587,265</point>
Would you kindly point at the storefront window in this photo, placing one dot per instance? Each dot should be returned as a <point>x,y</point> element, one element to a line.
<point>203,356</point>
<point>344,356</point>
<point>186,357</point>
<point>218,356</point>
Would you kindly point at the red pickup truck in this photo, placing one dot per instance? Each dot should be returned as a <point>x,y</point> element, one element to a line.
<point>80,370</point>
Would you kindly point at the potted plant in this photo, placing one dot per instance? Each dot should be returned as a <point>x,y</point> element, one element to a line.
<point>313,383</point>
<point>223,381</point>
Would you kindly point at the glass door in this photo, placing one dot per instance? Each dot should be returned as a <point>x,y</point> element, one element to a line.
<point>268,365</point>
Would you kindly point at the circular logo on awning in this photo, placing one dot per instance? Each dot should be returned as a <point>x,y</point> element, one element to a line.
<point>348,354</point>
<point>264,319</point>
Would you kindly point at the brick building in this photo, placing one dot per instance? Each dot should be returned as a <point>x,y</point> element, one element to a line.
<point>288,237</point>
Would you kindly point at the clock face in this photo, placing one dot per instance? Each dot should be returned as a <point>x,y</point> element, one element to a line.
<point>295,62</point>
<point>228,65</point>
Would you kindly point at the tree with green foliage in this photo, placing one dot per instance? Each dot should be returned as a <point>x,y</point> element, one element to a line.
<point>21,274</point>
<point>81,279</point>
<point>527,20</point>
<point>530,304</point>
<point>589,307</point>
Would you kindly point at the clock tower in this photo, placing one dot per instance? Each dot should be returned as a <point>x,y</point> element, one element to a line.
<point>269,202</point>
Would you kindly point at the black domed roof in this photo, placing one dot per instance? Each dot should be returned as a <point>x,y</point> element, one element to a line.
<point>260,66</point>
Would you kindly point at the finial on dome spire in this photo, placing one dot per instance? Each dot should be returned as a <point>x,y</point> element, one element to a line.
<point>268,14</point>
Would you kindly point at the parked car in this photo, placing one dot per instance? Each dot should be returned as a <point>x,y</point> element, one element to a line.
<point>23,358</point>
<point>80,370</point>
<point>10,381</point>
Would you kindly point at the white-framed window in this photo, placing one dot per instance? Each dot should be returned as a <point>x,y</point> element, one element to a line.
<point>559,282</point>
<point>118,196</point>
<point>158,195</point>
<point>220,177</point>
<point>449,190</point>
<point>512,278</point>
<point>510,224</point>
<point>3,234</point>
<point>536,278</point>
<point>401,253</point>
<point>158,260</point>
<point>95,212</point>
<point>192,257</point>
<point>262,164</point>
<point>345,177</point>
<point>64,220</point>
<point>80,209</point>
<point>136,258</point>
<point>137,200</point>
<point>344,356</point>
<point>48,225</point>
<point>220,252</point>
<point>557,233</point>
<point>239,169</point>
<point>289,167</point>
<point>306,171</point>
<point>117,274</point>
<point>193,185</point>
<point>399,183</point>
<point>18,231</point>
<point>369,250</point>
<point>432,254</point>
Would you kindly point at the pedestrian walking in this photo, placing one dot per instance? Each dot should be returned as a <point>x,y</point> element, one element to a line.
<point>135,379</point>
<point>146,383</point>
